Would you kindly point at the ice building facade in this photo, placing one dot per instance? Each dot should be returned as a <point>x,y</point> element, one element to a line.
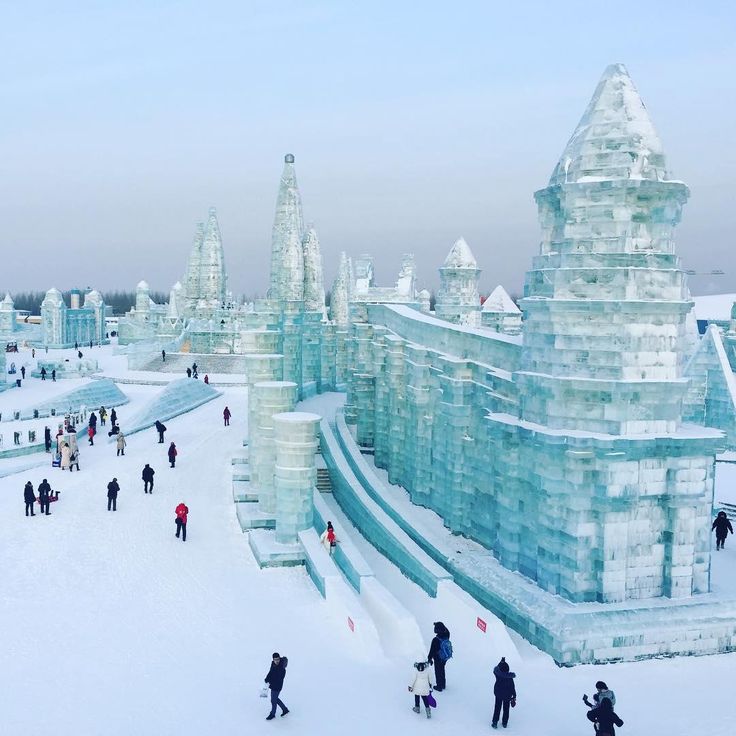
<point>79,323</point>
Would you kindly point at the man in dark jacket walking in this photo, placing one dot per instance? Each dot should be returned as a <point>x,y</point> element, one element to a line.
<point>436,655</point>
<point>30,498</point>
<point>275,681</point>
<point>226,416</point>
<point>147,477</point>
<point>721,526</point>
<point>172,453</point>
<point>505,693</point>
<point>44,493</point>
<point>112,494</point>
<point>113,417</point>
<point>160,428</point>
<point>47,439</point>
<point>604,718</point>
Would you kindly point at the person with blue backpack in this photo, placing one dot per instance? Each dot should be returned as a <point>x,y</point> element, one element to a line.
<point>440,650</point>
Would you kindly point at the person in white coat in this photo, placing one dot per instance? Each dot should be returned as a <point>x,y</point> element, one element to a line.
<point>422,686</point>
<point>328,538</point>
<point>66,454</point>
<point>121,444</point>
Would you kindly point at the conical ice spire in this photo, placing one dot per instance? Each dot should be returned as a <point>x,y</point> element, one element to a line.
<point>195,260</point>
<point>460,256</point>
<point>314,289</point>
<point>341,288</point>
<point>288,225</point>
<point>212,270</point>
<point>615,138</point>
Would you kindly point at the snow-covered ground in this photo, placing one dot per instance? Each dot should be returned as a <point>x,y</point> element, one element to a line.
<point>111,626</point>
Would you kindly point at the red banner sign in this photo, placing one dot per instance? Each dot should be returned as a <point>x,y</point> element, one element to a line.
<point>481,624</point>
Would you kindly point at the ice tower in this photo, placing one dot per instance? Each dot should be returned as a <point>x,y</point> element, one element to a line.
<point>212,278</point>
<point>458,299</point>
<point>614,492</point>
<point>193,268</point>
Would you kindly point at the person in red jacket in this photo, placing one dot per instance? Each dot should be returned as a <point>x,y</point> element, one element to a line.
<point>91,434</point>
<point>182,510</point>
<point>172,454</point>
<point>226,416</point>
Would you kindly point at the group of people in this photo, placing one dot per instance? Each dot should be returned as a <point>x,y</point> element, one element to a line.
<point>45,497</point>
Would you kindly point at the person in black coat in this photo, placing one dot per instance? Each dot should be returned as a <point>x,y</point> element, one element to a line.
<point>275,681</point>
<point>113,417</point>
<point>112,494</point>
<point>160,428</point>
<point>47,439</point>
<point>435,657</point>
<point>504,691</point>
<point>147,477</point>
<point>30,498</point>
<point>604,718</point>
<point>721,526</point>
<point>93,420</point>
<point>44,493</point>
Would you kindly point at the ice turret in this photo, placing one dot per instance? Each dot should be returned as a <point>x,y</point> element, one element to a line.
<point>212,279</point>
<point>458,299</point>
<point>193,268</point>
<point>288,226</point>
<point>500,312</point>
<point>314,289</point>
<point>341,292</point>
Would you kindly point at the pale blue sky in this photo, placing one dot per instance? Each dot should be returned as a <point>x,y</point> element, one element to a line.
<point>412,123</point>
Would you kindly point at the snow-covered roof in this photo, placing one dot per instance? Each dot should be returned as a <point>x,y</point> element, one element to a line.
<point>460,256</point>
<point>8,301</point>
<point>500,301</point>
<point>143,285</point>
<point>714,306</point>
<point>615,138</point>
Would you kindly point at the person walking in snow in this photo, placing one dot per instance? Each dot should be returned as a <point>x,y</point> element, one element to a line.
<point>103,415</point>
<point>194,368</point>
<point>47,439</point>
<point>160,428</point>
<point>43,374</point>
<point>112,494</point>
<point>74,460</point>
<point>120,442</point>
<point>30,498</point>
<point>421,686</point>
<point>182,514</point>
<point>721,526</point>
<point>275,681</point>
<point>504,691</point>
<point>93,420</point>
<point>440,650</point>
<point>189,372</point>
<point>206,379</point>
<point>601,691</point>
<point>172,453</point>
<point>91,434</point>
<point>604,718</point>
<point>113,417</point>
<point>53,375</point>
<point>163,356</point>
<point>147,477</point>
<point>23,372</point>
<point>226,415</point>
<point>328,538</point>
<point>44,495</point>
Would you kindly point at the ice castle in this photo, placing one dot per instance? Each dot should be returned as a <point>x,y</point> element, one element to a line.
<point>79,323</point>
<point>576,446</point>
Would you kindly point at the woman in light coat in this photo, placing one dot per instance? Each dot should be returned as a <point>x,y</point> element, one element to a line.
<point>121,444</point>
<point>422,686</point>
<point>66,453</point>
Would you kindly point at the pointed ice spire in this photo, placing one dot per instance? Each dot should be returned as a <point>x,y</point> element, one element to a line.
<point>341,290</point>
<point>288,224</point>
<point>460,256</point>
<point>615,138</point>
<point>500,301</point>
<point>291,283</point>
<point>314,289</point>
<point>212,278</point>
<point>8,301</point>
<point>195,260</point>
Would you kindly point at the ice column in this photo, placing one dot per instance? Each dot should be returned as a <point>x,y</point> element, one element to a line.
<point>296,472</point>
<point>267,398</point>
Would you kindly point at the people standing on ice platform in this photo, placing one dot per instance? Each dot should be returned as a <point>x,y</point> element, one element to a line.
<point>275,681</point>
<point>604,718</point>
<point>182,513</point>
<point>147,478</point>
<point>120,442</point>
<point>29,497</point>
<point>160,428</point>
<point>440,650</point>
<point>113,417</point>
<point>226,415</point>
<point>112,494</point>
<point>421,686</point>
<point>721,526</point>
<point>172,454</point>
<point>504,691</point>
<point>44,493</point>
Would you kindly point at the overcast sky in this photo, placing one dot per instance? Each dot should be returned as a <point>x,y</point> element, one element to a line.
<point>412,123</point>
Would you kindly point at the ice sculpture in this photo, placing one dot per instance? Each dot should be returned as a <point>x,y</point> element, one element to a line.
<point>212,276</point>
<point>193,276</point>
<point>500,313</point>
<point>63,326</point>
<point>341,292</point>
<point>458,299</point>
<point>7,316</point>
<point>314,290</point>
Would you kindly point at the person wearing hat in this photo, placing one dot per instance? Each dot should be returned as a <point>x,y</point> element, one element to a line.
<point>440,651</point>
<point>275,681</point>
<point>112,494</point>
<point>504,691</point>
<point>721,526</point>
<point>421,686</point>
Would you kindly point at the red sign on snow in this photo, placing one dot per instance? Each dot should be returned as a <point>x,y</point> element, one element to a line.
<point>351,624</point>
<point>481,624</point>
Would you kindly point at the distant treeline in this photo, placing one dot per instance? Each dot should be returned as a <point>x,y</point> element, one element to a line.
<point>120,301</point>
